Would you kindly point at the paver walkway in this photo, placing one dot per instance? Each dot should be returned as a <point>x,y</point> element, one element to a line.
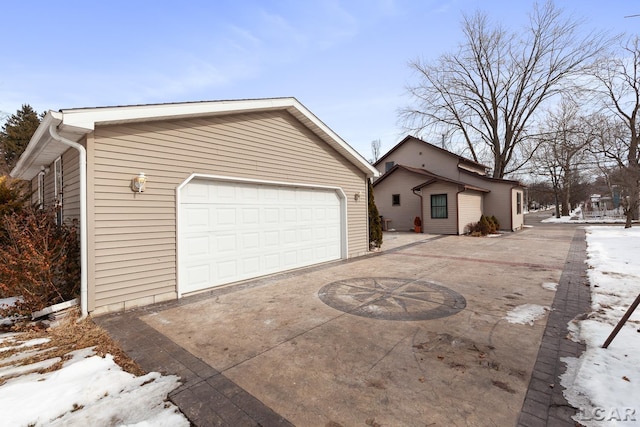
<point>544,403</point>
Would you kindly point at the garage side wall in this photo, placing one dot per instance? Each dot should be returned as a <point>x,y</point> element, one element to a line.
<point>135,234</point>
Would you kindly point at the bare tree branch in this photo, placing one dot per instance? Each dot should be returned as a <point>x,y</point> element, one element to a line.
<point>490,89</point>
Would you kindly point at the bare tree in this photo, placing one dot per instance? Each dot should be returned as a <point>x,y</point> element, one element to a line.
<point>490,89</point>
<point>618,77</point>
<point>562,143</point>
<point>375,150</point>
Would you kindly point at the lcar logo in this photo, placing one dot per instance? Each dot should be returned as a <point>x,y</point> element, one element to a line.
<point>607,414</point>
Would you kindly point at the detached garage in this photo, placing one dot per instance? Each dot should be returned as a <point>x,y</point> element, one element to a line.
<point>179,198</point>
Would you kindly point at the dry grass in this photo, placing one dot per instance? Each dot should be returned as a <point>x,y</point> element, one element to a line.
<point>70,335</point>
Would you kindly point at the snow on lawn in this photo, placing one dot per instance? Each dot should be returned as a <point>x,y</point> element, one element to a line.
<point>86,390</point>
<point>604,384</point>
<point>526,313</point>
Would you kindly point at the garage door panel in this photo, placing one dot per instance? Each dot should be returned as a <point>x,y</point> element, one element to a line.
<point>198,246</point>
<point>250,240</point>
<point>250,216</point>
<point>225,243</point>
<point>236,231</point>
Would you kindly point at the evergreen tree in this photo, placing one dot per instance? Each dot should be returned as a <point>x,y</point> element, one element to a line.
<point>16,133</point>
<point>375,225</point>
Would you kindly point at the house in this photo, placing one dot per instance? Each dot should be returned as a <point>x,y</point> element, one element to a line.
<point>178,198</point>
<point>445,190</point>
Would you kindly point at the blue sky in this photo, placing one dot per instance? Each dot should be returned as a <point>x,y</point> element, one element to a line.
<point>345,60</point>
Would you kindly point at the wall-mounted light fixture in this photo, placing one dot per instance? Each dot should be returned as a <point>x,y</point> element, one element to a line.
<point>357,196</point>
<point>138,183</point>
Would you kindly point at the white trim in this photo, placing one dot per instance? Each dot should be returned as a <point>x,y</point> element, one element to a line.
<point>74,124</point>
<point>344,248</point>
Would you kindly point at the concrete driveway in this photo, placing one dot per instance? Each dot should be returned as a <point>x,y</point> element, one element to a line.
<point>413,336</point>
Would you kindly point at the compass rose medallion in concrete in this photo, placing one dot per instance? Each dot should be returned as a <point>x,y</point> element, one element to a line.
<point>392,298</point>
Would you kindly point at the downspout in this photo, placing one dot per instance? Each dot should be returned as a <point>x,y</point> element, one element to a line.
<point>413,190</point>
<point>83,215</point>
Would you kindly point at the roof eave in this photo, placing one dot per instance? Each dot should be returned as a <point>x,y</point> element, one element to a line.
<point>76,123</point>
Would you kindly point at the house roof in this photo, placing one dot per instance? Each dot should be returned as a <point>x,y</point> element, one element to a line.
<point>492,179</point>
<point>431,178</point>
<point>75,123</point>
<point>410,137</point>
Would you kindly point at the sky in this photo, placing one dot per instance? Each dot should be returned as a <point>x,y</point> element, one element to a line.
<point>346,61</point>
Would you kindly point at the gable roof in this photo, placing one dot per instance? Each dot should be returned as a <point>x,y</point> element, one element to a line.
<point>75,123</point>
<point>449,153</point>
<point>431,178</point>
<point>492,179</point>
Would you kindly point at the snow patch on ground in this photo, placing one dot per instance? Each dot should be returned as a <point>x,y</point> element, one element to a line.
<point>603,383</point>
<point>87,390</point>
<point>526,313</point>
<point>550,286</point>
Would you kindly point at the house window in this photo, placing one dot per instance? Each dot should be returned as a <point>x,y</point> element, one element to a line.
<point>41,190</point>
<point>57,184</point>
<point>395,200</point>
<point>388,165</point>
<point>439,206</point>
<point>518,203</point>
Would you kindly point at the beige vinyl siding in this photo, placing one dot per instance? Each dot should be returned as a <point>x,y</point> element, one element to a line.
<point>400,182</point>
<point>419,155</point>
<point>447,225</point>
<point>498,201</point>
<point>70,186</point>
<point>469,209</point>
<point>134,235</point>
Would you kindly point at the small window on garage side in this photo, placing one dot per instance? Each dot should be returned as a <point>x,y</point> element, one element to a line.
<point>388,165</point>
<point>41,190</point>
<point>518,203</point>
<point>57,168</point>
<point>395,199</point>
<point>439,206</point>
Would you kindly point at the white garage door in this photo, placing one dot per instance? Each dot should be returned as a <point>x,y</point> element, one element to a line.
<point>233,231</point>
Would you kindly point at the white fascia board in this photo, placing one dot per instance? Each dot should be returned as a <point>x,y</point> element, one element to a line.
<point>75,123</point>
<point>333,139</point>
<point>87,118</point>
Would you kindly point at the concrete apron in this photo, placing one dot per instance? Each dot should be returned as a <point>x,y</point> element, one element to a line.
<point>317,365</point>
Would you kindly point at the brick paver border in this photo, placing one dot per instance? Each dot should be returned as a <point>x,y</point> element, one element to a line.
<point>544,403</point>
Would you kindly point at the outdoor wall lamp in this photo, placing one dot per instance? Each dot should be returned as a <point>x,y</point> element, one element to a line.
<point>138,183</point>
<point>357,196</point>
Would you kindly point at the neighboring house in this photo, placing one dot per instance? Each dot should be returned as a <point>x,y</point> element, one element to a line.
<point>184,197</point>
<point>445,190</point>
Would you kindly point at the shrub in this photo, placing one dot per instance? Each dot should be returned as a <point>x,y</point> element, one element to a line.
<point>40,261</point>
<point>495,221</point>
<point>486,225</point>
<point>375,224</point>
